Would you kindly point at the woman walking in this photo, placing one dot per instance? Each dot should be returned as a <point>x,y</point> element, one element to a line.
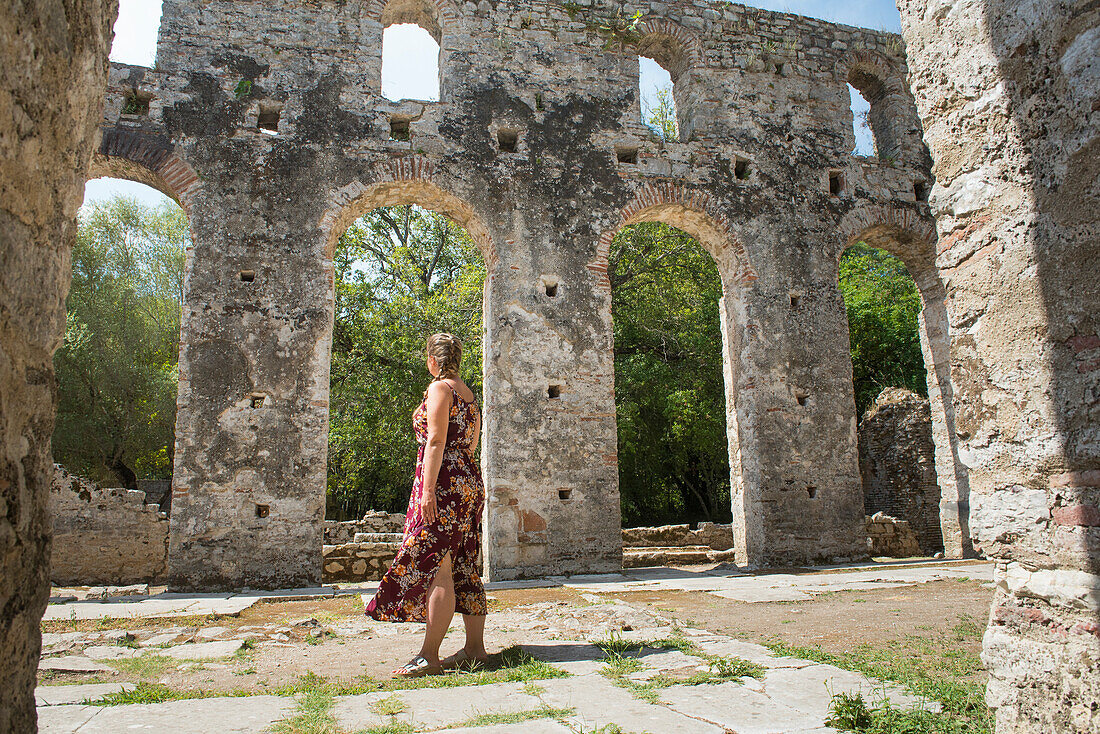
<point>435,572</point>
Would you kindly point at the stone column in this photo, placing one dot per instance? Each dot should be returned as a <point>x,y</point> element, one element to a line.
<point>798,498</point>
<point>1009,92</point>
<point>53,63</point>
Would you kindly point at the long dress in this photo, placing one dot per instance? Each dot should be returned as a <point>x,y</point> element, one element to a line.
<point>460,496</point>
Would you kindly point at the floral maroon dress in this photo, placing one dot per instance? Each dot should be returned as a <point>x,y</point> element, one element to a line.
<point>459,495</point>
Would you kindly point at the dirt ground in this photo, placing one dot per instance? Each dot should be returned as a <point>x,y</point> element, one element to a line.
<point>836,621</point>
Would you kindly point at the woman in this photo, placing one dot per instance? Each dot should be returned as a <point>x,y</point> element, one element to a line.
<point>435,571</point>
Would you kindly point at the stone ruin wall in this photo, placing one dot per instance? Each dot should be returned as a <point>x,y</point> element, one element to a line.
<point>762,177</point>
<point>897,461</point>
<point>104,536</point>
<point>891,538</point>
<point>52,76</point>
<point>1010,95</point>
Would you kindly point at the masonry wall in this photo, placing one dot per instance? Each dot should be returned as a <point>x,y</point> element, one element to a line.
<point>53,66</point>
<point>1010,95</point>
<point>104,536</point>
<point>766,127</point>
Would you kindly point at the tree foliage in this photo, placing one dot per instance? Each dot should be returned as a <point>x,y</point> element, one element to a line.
<point>660,115</point>
<point>883,307</point>
<point>117,368</point>
<point>669,394</point>
<point>402,274</point>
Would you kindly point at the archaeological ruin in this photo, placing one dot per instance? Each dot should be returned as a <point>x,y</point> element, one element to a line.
<point>265,121</point>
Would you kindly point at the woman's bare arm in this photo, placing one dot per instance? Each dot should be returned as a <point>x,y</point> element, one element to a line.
<point>438,413</point>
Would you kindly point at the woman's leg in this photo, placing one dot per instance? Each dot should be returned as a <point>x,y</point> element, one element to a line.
<point>441,609</point>
<point>475,636</point>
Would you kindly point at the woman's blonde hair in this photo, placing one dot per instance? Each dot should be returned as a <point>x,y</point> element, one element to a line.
<point>447,350</point>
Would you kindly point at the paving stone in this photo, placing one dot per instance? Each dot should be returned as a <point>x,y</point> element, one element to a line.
<point>157,640</point>
<point>110,652</point>
<point>203,650</point>
<point>72,664</point>
<point>244,715</point>
<point>599,703</point>
<point>209,633</point>
<point>537,726</point>
<point>62,695</point>
<point>740,709</point>
<point>810,689</point>
<point>434,707</point>
<point>64,719</point>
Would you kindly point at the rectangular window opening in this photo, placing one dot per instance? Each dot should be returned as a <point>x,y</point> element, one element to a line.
<point>257,401</point>
<point>263,510</point>
<point>553,392</point>
<point>629,156</point>
<point>920,191</point>
<point>564,494</point>
<point>400,129</point>
<point>741,170</point>
<point>836,183</point>
<point>802,398</point>
<point>552,290</point>
<point>508,140</point>
<point>268,121</point>
<point>812,492</point>
<point>795,300</point>
<point>247,276</point>
<point>137,103</point>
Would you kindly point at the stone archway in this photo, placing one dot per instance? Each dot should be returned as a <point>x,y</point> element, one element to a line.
<point>912,238</point>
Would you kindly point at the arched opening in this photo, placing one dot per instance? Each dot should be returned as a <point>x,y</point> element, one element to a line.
<point>669,392</point>
<point>408,259</point>
<point>909,451</point>
<point>662,64</point>
<point>658,99</point>
<point>135,32</point>
<point>117,369</point>
<point>674,273</point>
<point>410,63</point>
<point>872,112</point>
<point>401,273</point>
<point>861,126</point>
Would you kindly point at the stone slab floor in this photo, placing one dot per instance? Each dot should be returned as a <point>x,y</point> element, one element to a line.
<point>648,650</point>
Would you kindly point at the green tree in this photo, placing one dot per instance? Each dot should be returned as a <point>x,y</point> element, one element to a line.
<point>661,114</point>
<point>883,306</point>
<point>669,393</point>
<point>402,274</point>
<point>117,369</point>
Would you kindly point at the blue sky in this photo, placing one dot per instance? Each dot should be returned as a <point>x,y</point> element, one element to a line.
<point>406,74</point>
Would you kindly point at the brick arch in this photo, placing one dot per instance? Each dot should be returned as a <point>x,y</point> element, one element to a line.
<point>432,15</point>
<point>409,179</point>
<point>901,231</point>
<point>873,65</point>
<point>146,159</point>
<point>695,212</point>
<point>670,44</point>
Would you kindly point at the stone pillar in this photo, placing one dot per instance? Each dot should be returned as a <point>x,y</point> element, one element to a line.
<point>951,475</point>
<point>550,465</point>
<point>252,424</point>
<point>53,62</point>
<point>1009,92</point>
<point>798,498</point>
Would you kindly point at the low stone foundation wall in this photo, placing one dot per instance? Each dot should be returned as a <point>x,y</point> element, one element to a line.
<point>352,562</point>
<point>339,533</point>
<point>104,536</point>
<point>709,534</point>
<point>890,537</point>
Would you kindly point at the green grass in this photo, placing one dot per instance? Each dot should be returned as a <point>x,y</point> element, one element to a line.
<point>145,692</point>
<point>145,666</point>
<point>314,712</point>
<point>939,669</point>
<point>618,664</point>
<point>394,727</point>
<point>851,713</point>
<point>389,706</point>
<point>517,717</point>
